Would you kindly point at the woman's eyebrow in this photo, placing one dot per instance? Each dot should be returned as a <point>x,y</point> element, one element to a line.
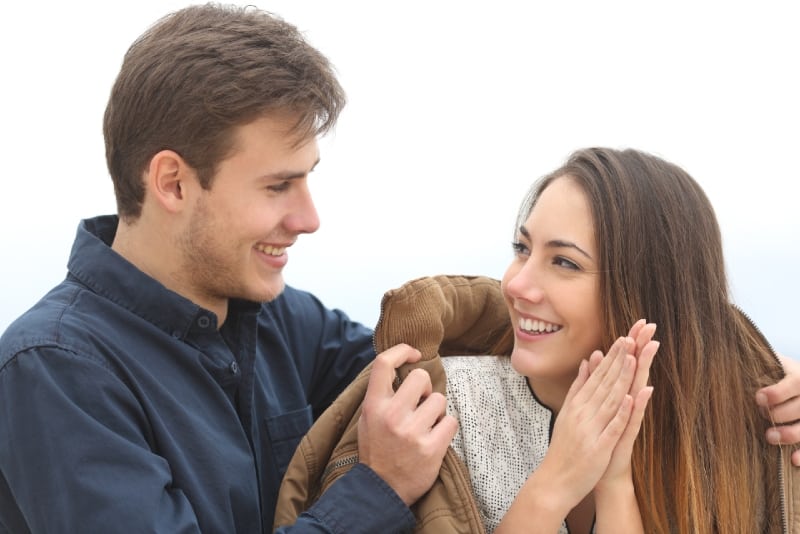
<point>560,243</point>
<point>557,243</point>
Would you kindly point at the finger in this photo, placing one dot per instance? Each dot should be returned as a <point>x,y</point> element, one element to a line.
<point>636,328</point>
<point>577,384</point>
<point>612,364</point>
<point>616,426</point>
<point>796,458</point>
<point>415,388</point>
<point>784,434</point>
<point>612,392</point>
<point>431,409</point>
<point>637,415</point>
<point>785,389</point>
<point>384,368</point>
<point>785,412</point>
<point>643,363</point>
<point>645,335</point>
<point>443,432</point>
<point>602,381</point>
<point>595,360</point>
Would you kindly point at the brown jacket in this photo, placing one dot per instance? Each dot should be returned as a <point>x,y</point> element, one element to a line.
<point>440,316</point>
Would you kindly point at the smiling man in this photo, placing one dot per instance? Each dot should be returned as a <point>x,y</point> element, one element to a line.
<point>163,386</point>
<point>230,238</point>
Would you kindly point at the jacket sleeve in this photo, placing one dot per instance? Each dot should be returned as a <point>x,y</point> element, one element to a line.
<point>445,315</point>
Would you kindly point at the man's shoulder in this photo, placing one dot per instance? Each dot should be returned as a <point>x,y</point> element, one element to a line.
<point>39,324</point>
<point>46,324</point>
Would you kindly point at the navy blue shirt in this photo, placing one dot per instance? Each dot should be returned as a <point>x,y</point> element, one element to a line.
<point>124,408</point>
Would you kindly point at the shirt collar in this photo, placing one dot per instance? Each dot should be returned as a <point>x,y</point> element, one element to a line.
<point>96,265</point>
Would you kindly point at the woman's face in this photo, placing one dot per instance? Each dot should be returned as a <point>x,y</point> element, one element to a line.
<point>552,288</point>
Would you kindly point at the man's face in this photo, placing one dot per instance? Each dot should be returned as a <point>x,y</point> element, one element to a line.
<point>235,243</point>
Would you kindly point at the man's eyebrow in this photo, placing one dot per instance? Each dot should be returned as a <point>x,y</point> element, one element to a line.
<point>290,175</point>
<point>557,243</point>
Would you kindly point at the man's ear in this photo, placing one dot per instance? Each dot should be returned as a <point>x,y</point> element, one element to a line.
<point>168,179</point>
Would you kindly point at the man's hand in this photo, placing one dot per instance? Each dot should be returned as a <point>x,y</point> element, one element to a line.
<point>403,435</point>
<point>781,404</point>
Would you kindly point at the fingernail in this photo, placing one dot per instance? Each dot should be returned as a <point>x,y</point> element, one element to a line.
<point>761,399</point>
<point>773,436</point>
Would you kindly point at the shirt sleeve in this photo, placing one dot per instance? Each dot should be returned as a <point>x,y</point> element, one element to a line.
<point>75,455</point>
<point>360,502</point>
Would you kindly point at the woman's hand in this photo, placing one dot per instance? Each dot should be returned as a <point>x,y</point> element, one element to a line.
<point>594,417</point>
<point>619,468</point>
<point>616,507</point>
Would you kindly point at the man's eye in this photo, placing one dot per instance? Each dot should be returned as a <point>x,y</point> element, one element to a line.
<point>279,188</point>
<point>564,262</point>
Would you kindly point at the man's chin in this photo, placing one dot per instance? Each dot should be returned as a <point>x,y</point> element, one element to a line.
<point>272,290</point>
<point>264,292</point>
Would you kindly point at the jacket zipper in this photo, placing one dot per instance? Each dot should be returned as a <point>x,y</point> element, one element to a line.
<point>781,480</point>
<point>343,462</point>
<point>376,348</point>
<point>463,474</point>
<point>378,325</point>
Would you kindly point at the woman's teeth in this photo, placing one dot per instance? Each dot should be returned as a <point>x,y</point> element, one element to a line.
<point>534,326</point>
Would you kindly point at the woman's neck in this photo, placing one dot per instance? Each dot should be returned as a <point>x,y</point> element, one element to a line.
<point>550,392</point>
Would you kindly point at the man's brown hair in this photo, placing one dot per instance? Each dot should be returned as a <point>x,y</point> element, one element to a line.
<point>199,73</point>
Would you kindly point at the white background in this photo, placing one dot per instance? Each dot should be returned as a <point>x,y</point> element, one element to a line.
<point>454,109</point>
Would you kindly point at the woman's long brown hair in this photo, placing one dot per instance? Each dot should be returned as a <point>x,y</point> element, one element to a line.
<point>701,464</point>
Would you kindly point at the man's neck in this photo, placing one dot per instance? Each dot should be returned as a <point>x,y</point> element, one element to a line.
<point>151,250</point>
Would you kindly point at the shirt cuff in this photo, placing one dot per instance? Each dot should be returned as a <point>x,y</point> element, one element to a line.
<point>361,502</point>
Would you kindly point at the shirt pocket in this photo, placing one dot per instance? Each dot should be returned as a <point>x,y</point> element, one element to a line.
<point>285,432</point>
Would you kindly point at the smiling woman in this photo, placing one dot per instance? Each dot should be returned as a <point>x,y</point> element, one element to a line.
<point>556,438</point>
<point>630,211</point>
<point>556,261</point>
<point>460,118</point>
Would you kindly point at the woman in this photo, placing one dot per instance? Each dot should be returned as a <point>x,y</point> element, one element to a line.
<point>613,236</point>
<point>609,238</point>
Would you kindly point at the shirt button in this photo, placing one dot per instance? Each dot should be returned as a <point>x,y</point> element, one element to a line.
<point>234,368</point>
<point>203,321</point>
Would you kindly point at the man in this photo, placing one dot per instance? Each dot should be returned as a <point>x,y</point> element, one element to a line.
<point>164,385</point>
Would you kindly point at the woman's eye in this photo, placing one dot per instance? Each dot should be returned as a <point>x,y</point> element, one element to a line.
<point>564,262</point>
<point>520,249</point>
